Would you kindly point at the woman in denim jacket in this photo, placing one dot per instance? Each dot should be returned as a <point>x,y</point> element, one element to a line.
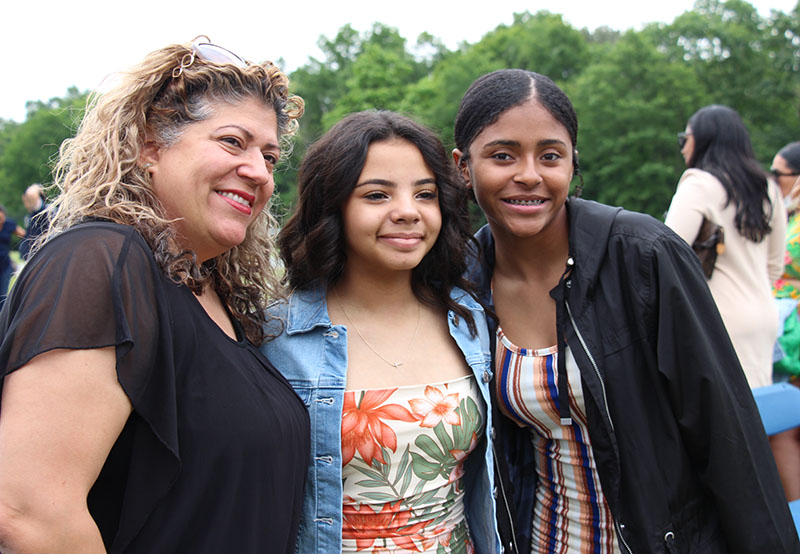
<point>385,346</point>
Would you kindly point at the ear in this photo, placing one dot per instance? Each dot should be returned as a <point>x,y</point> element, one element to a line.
<point>463,168</point>
<point>150,154</point>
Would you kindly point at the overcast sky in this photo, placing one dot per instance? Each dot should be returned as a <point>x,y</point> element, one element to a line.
<point>50,45</point>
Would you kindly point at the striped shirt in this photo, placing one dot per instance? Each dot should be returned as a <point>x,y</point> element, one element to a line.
<point>571,514</point>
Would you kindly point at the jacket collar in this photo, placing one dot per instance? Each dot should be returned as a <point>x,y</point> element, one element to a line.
<point>589,227</point>
<point>307,308</point>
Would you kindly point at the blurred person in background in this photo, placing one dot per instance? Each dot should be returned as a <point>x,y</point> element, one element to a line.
<point>37,221</point>
<point>8,229</point>
<point>725,184</point>
<point>785,170</point>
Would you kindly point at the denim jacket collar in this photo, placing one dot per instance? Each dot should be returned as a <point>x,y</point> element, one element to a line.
<point>307,309</point>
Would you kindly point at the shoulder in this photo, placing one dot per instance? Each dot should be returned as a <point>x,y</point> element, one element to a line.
<point>700,183</point>
<point>463,298</point>
<point>300,312</point>
<point>613,232</point>
<point>97,233</point>
<point>596,222</point>
<point>95,248</point>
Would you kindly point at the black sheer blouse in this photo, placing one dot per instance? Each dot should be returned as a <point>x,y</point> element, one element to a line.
<point>214,456</point>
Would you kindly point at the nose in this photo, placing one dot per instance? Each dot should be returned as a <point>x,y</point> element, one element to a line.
<point>405,209</point>
<point>254,168</point>
<point>527,173</point>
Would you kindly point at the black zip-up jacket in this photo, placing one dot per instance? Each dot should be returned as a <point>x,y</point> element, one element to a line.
<point>679,445</point>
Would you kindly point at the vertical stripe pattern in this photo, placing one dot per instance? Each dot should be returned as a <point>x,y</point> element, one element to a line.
<point>571,514</point>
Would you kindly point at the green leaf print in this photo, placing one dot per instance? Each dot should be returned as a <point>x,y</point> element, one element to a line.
<point>401,468</point>
<point>371,484</point>
<point>371,473</point>
<point>379,496</point>
<point>470,423</point>
<point>427,445</point>
<point>425,470</point>
<point>444,438</point>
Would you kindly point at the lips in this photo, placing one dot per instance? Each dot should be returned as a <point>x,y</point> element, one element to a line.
<point>402,240</point>
<point>240,200</point>
<point>524,201</point>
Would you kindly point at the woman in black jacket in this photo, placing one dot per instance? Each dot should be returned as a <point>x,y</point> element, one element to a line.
<point>657,446</point>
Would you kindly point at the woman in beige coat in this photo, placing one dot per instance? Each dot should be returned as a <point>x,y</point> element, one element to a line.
<point>725,184</point>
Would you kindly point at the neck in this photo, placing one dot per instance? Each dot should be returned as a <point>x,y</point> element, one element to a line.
<point>533,257</point>
<point>365,290</point>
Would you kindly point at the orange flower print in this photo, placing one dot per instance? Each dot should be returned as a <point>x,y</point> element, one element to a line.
<point>362,428</point>
<point>440,535</point>
<point>460,456</point>
<point>436,407</point>
<point>364,525</point>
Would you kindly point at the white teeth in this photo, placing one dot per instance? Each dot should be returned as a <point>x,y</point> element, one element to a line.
<point>235,197</point>
<point>525,202</point>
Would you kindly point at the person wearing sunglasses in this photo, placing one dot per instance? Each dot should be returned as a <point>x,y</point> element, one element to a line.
<point>785,171</point>
<point>725,184</point>
<point>137,414</point>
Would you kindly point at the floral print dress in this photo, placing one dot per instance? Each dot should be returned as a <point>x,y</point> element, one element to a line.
<point>787,289</point>
<point>403,454</point>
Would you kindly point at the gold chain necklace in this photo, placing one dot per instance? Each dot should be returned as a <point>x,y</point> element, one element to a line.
<point>413,337</point>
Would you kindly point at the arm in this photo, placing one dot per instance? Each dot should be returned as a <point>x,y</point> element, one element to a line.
<point>685,214</point>
<point>720,426</point>
<point>777,237</point>
<point>19,232</point>
<point>62,413</point>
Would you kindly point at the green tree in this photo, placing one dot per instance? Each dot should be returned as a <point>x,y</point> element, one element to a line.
<point>379,75</point>
<point>744,61</point>
<point>358,72</point>
<point>28,149</point>
<point>541,42</point>
<point>629,113</point>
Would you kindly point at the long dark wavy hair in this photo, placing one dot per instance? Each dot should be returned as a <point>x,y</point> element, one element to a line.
<point>722,147</point>
<point>312,242</point>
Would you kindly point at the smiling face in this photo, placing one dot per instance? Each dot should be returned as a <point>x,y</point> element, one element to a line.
<point>217,177</point>
<point>520,168</point>
<point>391,218</point>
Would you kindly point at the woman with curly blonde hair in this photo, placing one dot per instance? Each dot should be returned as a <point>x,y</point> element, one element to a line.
<point>137,416</point>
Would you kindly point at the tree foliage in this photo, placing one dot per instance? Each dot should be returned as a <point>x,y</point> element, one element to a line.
<point>28,149</point>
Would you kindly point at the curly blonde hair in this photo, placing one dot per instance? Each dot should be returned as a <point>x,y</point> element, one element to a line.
<point>99,173</point>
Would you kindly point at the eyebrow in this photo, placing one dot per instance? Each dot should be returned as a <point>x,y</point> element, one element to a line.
<point>387,183</point>
<point>504,142</point>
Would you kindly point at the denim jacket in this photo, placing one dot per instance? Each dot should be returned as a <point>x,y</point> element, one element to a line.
<point>312,353</point>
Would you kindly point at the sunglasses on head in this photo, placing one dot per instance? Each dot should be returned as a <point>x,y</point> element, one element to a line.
<point>778,174</point>
<point>682,138</point>
<point>203,49</point>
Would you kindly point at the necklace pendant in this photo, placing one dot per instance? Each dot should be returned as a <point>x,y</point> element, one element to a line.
<point>396,364</point>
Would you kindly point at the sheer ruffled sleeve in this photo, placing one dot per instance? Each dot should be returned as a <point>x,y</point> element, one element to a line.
<point>97,285</point>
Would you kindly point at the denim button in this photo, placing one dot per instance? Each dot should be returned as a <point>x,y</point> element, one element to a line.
<point>486,377</point>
